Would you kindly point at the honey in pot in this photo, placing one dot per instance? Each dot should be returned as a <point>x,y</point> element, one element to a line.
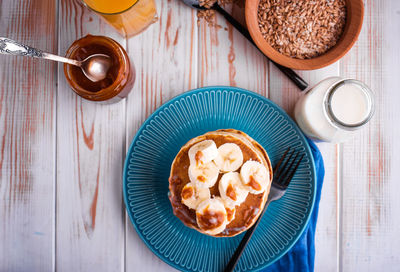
<point>120,77</point>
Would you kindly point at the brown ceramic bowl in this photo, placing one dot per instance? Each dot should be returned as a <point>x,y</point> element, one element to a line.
<point>354,20</point>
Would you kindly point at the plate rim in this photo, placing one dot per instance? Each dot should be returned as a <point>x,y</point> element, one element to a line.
<point>199,90</point>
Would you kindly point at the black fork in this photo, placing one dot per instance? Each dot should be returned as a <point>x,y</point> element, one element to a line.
<point>283,174</point>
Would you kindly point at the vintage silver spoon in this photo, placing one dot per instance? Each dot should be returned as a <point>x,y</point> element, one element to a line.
<point>95,67</point>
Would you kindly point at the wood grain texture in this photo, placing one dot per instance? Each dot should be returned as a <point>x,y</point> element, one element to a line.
<point>283,92</point>
<point>90,151</point>
<point>165,56</point>
<point>371,233</point>
<point>27,144</point>
<point>226,57</point>
<point>61,157</point>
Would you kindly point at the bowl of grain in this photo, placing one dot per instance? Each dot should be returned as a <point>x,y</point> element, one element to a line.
<point>304,34</point>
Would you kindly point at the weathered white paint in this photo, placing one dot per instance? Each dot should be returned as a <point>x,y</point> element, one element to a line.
<point>27,139</point>
<point>59,152</point>
<point>90,219</point>
<point>165,56</point>
<point>370,174</point>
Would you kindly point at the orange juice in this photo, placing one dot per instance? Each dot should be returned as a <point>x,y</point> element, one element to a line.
<point>129,17</point>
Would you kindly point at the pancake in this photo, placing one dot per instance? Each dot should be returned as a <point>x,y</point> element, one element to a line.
<point>248,211</point>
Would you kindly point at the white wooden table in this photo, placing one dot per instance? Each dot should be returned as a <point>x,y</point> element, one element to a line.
<point>61,157</point>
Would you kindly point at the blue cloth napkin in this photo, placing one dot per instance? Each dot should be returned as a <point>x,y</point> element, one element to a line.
<point>300,257</point>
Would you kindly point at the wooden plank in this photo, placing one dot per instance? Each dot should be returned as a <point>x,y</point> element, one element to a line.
<point>371,233</point>
<point>227,58</point>
<point>165,56</point>
<point>250,70</point>
<point>283,92</point>
<point>90,151</point>
<point>326,235</point>
<point>27,144</point>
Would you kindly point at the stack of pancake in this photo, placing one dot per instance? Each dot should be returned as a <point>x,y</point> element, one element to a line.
<point>219,182</point>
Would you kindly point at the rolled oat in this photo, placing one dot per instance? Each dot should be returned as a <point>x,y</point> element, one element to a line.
<point>302,29</point>
<point>209,14</point>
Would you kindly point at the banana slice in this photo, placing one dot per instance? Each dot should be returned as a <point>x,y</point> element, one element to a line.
<point>192,196</point>
<point>231,189</point>
<point>203,175</point>
<point>230,157</point>
<point>255,176</point>
<point>203,152</point>
<point>211,216</point>
<point>230,210</point>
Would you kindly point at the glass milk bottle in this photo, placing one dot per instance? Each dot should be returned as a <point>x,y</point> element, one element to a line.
<point>334,109</point>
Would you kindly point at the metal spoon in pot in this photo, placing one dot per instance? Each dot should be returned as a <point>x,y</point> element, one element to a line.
<point>296,79</point>
<point>95,67</point>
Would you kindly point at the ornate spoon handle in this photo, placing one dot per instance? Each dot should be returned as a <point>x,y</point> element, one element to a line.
<point>11,47</point>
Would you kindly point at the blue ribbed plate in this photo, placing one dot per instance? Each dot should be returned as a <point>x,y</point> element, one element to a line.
<point>147,169</point>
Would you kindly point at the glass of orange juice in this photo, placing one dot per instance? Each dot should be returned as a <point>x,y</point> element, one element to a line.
<point>129,17</point>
